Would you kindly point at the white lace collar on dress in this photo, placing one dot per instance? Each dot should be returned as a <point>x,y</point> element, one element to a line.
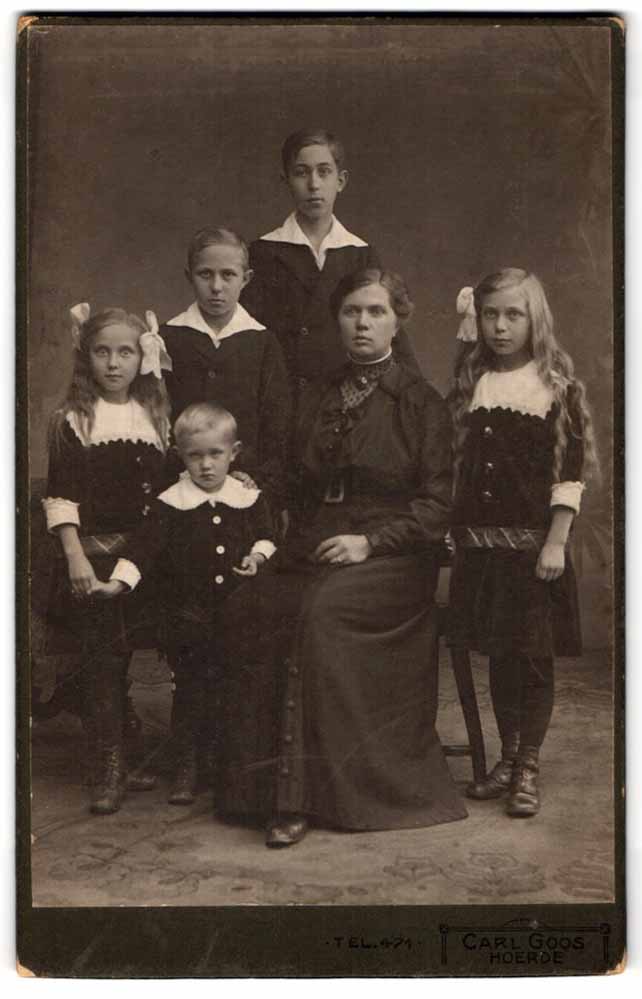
<point>115,422</point>
<point>522,391</point>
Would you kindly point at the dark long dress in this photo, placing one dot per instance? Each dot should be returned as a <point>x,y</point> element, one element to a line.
<point>330,700</point>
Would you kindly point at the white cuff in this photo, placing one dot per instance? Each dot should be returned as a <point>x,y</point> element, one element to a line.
<point>567,494</point>
<point>265,548</point>
<point>126,572</point>
<point>60,511</point>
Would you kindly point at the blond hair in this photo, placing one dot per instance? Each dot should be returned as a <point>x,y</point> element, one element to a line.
<point>554,366</point>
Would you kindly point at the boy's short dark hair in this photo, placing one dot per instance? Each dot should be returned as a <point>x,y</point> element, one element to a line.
<point>215,236</point>
<point>311,137</point>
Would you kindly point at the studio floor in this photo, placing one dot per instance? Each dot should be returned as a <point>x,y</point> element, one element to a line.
<point>152,853</point>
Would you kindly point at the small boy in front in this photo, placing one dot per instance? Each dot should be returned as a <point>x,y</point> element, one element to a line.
<point>297,266</point>
<point>206,532</point>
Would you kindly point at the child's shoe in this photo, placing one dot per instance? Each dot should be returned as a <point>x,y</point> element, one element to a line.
<point>109,785</point>
<point>183,791</point>
<point>498,780</point>
<point>523,799</point>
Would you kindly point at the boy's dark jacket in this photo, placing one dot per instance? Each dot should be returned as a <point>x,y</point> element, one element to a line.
<point>291,296</point>
<point>246,375</point>
<point>195,551</point>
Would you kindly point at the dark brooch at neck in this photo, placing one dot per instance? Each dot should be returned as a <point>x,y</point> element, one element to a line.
<point>362,379</point>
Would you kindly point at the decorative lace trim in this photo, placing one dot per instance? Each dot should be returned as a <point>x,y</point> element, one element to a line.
<point>186,495</point>
<point>112,423</point>
<point>521,391</point>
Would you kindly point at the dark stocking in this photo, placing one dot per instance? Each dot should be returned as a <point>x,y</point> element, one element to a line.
<point>538,694</point>
<point>505,687</point>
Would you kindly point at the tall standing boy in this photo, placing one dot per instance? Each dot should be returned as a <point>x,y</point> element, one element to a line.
<point>297,266</point>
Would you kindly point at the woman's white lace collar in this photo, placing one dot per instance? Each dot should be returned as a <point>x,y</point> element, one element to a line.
<point>522,391</point>
<point>186,495</point>
<point>113,422</point>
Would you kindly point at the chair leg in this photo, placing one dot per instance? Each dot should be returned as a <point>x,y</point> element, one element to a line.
<point>460,659</point>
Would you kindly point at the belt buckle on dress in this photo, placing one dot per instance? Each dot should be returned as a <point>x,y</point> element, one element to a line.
<point>335,492</point>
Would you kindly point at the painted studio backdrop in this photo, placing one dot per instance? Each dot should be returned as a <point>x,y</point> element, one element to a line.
<point>469,148</point>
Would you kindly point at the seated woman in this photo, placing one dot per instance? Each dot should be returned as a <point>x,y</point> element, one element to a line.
<point>329,703</point>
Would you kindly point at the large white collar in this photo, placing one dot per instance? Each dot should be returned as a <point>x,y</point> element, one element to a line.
<point>186,495</point>
<point>114,422</point>
<point>522,391</point>
<point>193,318</point>
<point>291,232</point>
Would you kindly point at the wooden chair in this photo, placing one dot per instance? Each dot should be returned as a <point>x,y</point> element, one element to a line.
<point>460,661</point>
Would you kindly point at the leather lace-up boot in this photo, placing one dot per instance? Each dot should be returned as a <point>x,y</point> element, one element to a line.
<point>498,780</point>
<point>183,790</point>
<point>109,784</point>
<point>523,798</point>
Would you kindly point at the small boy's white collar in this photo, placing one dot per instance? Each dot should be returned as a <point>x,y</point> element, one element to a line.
<point>193,318</point>
<point>337,238</point>
<point>115,422</point>
<point>522,391</point>
<point>186,495</point>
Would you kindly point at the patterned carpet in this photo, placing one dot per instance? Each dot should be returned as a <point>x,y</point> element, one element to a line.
<point>151,853</point>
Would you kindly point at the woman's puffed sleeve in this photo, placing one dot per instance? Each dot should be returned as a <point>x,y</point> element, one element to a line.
<point>66,480</point>
<point>428,519</point>
<point>404,352</point>
<point>275,416</point>
<point>568,491</point>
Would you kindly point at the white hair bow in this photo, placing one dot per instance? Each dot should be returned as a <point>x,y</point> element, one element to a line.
<point>79,315</point>
<point>466,307</point>
<point>155,356</point>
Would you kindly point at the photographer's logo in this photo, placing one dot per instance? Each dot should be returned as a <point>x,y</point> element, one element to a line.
<point>522,944</point>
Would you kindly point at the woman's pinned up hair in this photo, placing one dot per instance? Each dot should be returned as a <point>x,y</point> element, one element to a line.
<point>400,301</point>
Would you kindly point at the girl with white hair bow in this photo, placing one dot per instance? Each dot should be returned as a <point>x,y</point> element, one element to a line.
<point>108,442</point>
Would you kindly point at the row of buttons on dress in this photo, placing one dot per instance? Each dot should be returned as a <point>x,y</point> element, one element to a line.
<point>220,550</point>
<point>147,488</point>
<point>489,468</point>
<point>288,737</point>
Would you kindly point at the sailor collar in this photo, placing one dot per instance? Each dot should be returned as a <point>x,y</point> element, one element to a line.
<point>194,320</point>
<point>337,238</point>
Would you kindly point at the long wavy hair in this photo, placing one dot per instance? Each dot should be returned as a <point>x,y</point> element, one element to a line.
<point>83,392</point>
<point>554,367</point>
